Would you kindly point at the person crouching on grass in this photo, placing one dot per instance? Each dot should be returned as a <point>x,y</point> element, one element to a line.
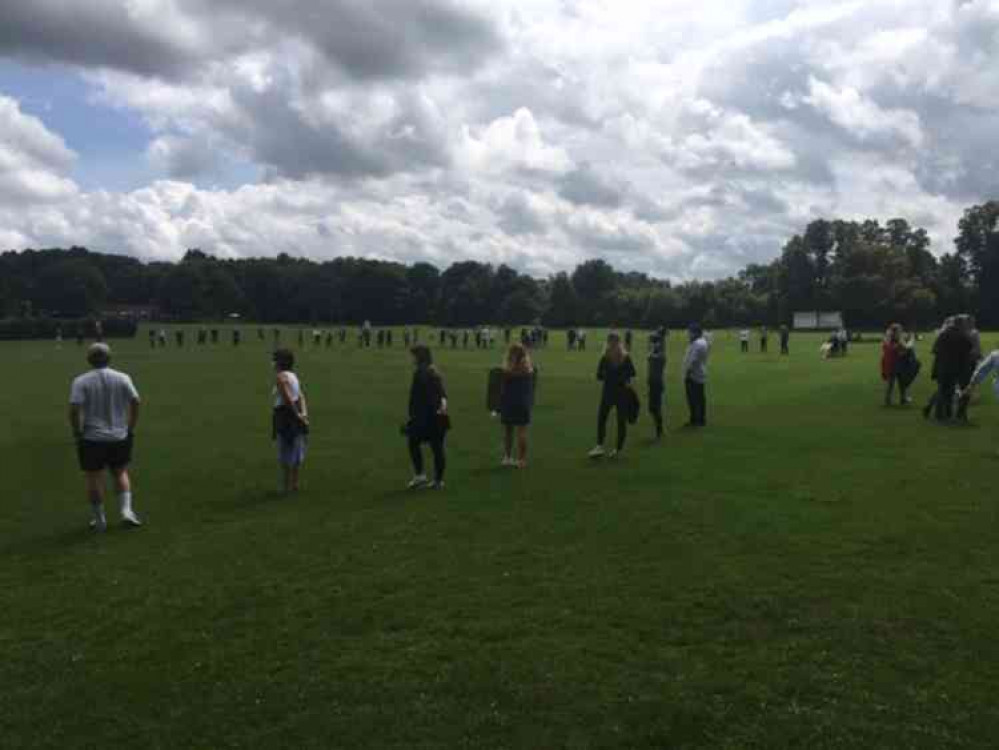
<point>103,412</point>
<point>516,400</point>
<point>428,419</point>
<point>290,419</point>
<point>615,371</point>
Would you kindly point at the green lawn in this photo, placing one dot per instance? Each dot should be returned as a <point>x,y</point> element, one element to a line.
<point>812,571</point>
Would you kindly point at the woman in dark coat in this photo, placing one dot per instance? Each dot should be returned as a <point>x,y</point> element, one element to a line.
<point>428,419</point>
<point>516,401</point>
<point>616,371</point>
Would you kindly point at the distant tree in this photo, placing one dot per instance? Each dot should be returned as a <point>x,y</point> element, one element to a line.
<point>978,245</point>
<point>71,288</point>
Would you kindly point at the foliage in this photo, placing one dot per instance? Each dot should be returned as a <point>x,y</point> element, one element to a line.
<point>872,272</point>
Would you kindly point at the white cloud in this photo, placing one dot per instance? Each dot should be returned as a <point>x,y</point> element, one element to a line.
<point>681,137</point>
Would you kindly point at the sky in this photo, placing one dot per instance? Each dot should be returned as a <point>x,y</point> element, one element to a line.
<point>681,138</point>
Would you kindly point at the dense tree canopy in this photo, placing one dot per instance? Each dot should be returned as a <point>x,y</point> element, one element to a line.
<point>872,272</point>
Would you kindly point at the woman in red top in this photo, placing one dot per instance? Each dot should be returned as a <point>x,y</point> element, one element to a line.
<point>892,350</point>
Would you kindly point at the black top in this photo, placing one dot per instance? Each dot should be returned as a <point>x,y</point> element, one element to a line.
<point>516,395</point>
<point>615,377</point>
<point>425,395</point>
<point>657,363</point>
<point>953,355</point>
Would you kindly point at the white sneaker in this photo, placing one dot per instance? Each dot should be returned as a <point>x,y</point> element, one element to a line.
<point>129,518</point>
<point>507,461</point>
<point>435,486</point>
<point>612,454</point>
<point>597,452</point>
<point>417,482</point>
<point>98,527</point>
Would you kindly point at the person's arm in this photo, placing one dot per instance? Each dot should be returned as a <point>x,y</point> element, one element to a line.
<point>986,368</point>
<point>303,408</point>
<point>441,393</point>
<point>629,370</point>
<point>75,422</point>
<point>133,415</point>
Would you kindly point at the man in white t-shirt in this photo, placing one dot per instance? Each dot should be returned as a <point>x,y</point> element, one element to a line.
<point>103,412</point>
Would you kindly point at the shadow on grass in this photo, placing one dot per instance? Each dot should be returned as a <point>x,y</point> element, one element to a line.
<point>69,539</point>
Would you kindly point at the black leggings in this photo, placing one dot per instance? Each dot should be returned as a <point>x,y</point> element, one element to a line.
<point>656,391</point>
<point>440,456</point>
<point>622,423</point>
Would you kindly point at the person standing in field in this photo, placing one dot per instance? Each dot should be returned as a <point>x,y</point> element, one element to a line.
<point>892,350</point>
<point>615,372</point>
<point>103,413</point>
<point>785,340</point>
<point>764,339</point>
<point>516,402</point>
<point>428,419</point>
<point>290,419</point>
<point>744,341</point>
<point>657,381</point>
<point>695,376</point>
<point>952,363</point>
<point>986,368</point>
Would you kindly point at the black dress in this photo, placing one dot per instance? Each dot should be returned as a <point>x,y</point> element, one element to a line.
<point>516,398</point>
<point>425,396</point>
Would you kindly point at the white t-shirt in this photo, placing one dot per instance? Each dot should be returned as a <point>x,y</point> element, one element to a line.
<point>104,396</point>
<point>293,387</point>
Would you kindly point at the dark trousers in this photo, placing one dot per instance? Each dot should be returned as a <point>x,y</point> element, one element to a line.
<point>784,349</point>
<point>697,402</point>
<point>440,456</point>
<point>622,423</point>
<point>656,406</point>
<point>944,398</point>
<point>891,389</point>
<point>763,345</point>
<point>744,345</point>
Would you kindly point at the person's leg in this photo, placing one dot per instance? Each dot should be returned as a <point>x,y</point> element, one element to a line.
<point>416,456</point>
<point>701,399</point>
<point>440,459</point>
<point>656,408</point>
<point>95,496</point>
<point>945,398</point>
<point>602,414</point>
<point>507,441</point>
<point>688,386</point>
<point>889,390</point>
<point>522,445</point>
<point>622,426</point>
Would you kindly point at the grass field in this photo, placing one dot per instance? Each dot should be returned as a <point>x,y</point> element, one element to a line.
<point>812,571</point>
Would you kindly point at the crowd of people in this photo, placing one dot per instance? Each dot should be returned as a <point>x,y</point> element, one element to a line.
<point>104,403</point>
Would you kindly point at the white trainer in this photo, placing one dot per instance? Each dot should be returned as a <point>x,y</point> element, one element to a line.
<point>129,518</point>
<point>597,452</point>
<point>436,486</point>
<point>417,482</point>
<point>507,461</point>
<point>98,527</point>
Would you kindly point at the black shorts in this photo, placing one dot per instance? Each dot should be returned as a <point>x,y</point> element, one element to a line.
<point>95,456</point>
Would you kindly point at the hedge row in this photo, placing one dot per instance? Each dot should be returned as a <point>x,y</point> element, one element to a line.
<point>23,329</point>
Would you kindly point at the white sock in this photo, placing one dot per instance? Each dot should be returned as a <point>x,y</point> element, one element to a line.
<point>98,511</point>
<point>125,498</point>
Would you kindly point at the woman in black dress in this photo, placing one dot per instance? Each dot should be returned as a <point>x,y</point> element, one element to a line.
<point>428,419</point>
<point>516,400</point>
<point>616,371</point>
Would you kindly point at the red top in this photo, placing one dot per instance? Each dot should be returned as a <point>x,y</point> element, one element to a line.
<point>891,352</point>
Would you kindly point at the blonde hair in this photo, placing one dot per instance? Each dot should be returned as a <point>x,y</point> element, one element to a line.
<point>518,360</point>
<point>614,350</point>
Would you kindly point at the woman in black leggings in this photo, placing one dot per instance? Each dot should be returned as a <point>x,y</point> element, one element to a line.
<point>616,371</point>
<point>428,419</point>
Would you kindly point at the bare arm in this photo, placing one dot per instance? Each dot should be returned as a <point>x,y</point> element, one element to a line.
<point>75,423</point>
<point>133,415</point>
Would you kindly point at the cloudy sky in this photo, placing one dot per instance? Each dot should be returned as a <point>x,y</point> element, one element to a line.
<point>684,138</point>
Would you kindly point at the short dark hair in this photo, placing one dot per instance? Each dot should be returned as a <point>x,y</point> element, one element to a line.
<point>284,359</point>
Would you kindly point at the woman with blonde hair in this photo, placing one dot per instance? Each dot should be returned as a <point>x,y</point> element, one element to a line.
<point>615,371</point>
<point>516,402</point>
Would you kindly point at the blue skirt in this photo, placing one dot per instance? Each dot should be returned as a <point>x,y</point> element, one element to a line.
<point>291,451</point>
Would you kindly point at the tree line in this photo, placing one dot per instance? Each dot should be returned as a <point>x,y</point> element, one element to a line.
<point>870,271</point>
